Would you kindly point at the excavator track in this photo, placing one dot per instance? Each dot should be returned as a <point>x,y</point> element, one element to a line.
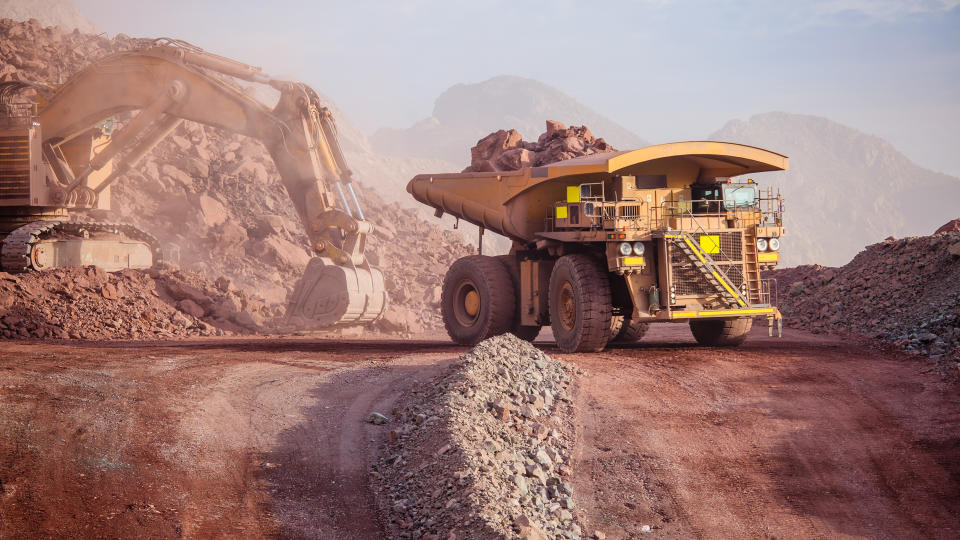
<point>18,252</point>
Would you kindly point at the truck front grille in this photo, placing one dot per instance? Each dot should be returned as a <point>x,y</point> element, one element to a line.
<point>688,280</point>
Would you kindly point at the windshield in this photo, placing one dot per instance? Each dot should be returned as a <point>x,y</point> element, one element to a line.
<point>739,195</point>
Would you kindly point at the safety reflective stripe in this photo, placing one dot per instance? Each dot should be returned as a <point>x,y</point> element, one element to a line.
<point>688,314</point>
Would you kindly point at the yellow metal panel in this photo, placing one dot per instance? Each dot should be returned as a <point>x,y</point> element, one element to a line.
<point>768,257</point>
<point>633,261</point>
<point>738,312</point>
<point>710,243</point>
<point>691,314</point>
<point>573,193</point>
<point>561,212</point>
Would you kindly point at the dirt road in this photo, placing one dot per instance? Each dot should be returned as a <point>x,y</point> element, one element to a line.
<point>804,437</point>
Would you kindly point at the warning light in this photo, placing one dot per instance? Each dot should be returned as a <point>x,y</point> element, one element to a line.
<point>622,236</point>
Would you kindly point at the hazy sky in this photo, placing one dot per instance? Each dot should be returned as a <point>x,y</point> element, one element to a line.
<point>668,70</point>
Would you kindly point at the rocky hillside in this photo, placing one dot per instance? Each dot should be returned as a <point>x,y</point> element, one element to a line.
<point>466,112</point>
<point>62,13</point>
<point>845,189</point>
<point>215,200</point>
<point>905,291</point>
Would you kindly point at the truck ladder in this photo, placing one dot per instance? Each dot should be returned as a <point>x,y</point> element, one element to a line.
<point>705,265</point>
<point>751,265</point>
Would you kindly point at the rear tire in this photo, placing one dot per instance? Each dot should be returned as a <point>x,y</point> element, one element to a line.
<point>477,300</point>
<point>580,305</point>
<point>624,330</point>
<point>721,332</point>
<point>528,333</point>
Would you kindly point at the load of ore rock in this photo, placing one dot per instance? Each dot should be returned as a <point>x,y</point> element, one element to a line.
<point>505,150</point>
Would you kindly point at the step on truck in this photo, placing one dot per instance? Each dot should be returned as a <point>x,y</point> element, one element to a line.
<point>605,244</point>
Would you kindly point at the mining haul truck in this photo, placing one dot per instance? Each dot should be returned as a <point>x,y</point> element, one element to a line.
<point>605,244</point>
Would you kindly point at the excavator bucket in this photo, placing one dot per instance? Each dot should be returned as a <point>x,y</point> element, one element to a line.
<point>329,294</point>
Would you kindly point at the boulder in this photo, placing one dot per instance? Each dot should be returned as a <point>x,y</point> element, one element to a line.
<point>178,177</point>
<point>277,251</point>
<point>190,307</point>
<point>212,211</point>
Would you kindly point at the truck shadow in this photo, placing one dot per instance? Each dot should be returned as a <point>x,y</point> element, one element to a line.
<point>316,478</point>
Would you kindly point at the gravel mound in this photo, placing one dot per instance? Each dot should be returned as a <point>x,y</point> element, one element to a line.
<point>905,291</point>
<point>89,303</point>
<point>483,450</point>
<point>505,150</point>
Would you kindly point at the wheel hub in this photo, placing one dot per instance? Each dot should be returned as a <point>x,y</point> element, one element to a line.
<point>472,303</point>
<point>466,303</point>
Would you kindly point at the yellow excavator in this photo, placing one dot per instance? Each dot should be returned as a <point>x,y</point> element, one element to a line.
<point>58,153</point>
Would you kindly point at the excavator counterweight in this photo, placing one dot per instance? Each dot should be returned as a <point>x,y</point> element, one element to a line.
<point>58,152</point>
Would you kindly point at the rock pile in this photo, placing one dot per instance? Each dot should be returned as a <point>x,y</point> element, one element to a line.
<point>89,303</point>
<point>483,451</point>
<point>903,291</point>
<point>505,150</point>
<point>215,200</point>
<point>952,226</point>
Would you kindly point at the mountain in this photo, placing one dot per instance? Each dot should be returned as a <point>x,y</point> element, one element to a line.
<point>62,13</point>
<point>845,189</point>
<point>467,112</point>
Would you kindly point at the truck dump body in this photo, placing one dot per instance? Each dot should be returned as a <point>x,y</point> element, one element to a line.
<point>664,230</point>
<point>512,203</point>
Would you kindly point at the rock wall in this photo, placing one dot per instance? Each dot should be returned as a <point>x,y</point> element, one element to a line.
<point>906,292</point>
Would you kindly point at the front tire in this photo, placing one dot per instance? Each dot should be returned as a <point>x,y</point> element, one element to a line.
<point>580,305</point>
<point>721,332</point>
<point>477,300</point>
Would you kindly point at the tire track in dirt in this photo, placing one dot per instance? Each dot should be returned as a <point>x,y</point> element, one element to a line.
<point>805,437</point>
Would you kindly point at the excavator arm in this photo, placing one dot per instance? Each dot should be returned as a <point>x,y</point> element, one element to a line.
<point>174,81</point>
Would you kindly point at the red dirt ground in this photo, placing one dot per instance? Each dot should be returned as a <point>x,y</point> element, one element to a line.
<point>796,438</point>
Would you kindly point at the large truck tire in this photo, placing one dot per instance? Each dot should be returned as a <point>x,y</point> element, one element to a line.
<point>580,305</point>
<point>525,332</point>
<point>626,331</point>
<point>478,300</point>
<point>721,332</point>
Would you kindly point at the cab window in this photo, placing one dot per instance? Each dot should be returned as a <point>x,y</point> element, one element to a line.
<point>706,199</point>
<point>739,195</point>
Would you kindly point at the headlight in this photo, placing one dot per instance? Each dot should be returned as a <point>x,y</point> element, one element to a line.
<point>638,248</point>
<point>762,244</point>
<point>774,244</point>
<point>626,249</point>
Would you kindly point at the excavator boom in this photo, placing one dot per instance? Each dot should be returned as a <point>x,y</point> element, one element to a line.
<point>173,81</point>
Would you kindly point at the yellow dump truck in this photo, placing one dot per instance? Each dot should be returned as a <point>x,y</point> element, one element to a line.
<point>605,244</point>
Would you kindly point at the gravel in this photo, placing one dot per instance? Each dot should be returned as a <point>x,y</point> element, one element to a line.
<point>483,451</point>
